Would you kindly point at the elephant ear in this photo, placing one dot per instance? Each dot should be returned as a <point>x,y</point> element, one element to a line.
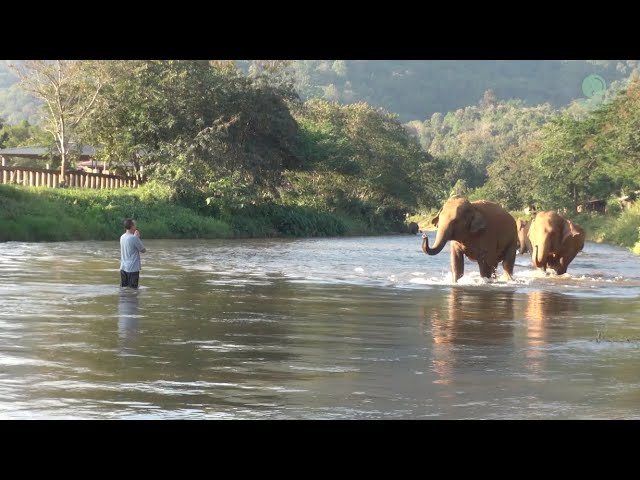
<point>434,220</point>
<point>569,230</point>
<point>477,222</point>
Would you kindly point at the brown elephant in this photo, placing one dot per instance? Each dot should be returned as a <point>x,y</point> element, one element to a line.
<point>524,245</point>
<point>414,228</point>
<point>555,241</point>
<point>481,230</point>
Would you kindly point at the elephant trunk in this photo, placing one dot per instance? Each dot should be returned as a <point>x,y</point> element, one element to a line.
<point>540,254</point>
<point>441,240</point>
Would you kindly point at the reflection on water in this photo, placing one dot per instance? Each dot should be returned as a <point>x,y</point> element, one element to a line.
<point>314,328</point>
<point>128,315</point>
<point>478,317</point>
<point>543,309</point>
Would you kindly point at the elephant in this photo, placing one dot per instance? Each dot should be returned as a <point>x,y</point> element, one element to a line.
<point>481,230</point>
<point>414,228</point>
<point>524,245</point>
<point>555,241</point>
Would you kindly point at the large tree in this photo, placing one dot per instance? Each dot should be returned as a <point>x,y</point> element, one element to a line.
<point>385,163</point>
<point>618,139</point>
<point>570,163</point>
<point>513,180</point>
<point>68,89</point>
<point>191,122</point>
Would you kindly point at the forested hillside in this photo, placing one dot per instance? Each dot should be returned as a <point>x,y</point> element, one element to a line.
<point>415,89</point>
<point>15,104</point>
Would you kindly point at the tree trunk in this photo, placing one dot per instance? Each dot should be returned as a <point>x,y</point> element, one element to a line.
<point>63,164</point>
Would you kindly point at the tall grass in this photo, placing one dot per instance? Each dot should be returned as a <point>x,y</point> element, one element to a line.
<point>45,214</point>
<point>622,229</point>
<point>36,214</point>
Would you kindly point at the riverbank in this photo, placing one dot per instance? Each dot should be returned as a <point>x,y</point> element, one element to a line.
<point>620,228</point>
<point>37,214</point>
<point>40,214</point>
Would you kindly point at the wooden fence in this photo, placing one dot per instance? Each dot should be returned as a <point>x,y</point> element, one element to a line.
<point>43,177</point>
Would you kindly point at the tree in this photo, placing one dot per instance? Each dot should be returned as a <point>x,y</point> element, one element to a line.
<point>460,188</point>
<point>69,89</point>
<point>618,139</point>
<point>3,134</point>
<point>22,134</point>
<point>469,140</point>
<point>512,178</point>
<point>385,164</point>
<point>277,74</point>
<point>197,121</point>
<point>489,99</point>
<point>570,164</point>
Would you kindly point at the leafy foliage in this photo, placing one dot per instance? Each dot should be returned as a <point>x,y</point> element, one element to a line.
<point>384,164</point>
<point>191,122</point>
<point>22,134</point>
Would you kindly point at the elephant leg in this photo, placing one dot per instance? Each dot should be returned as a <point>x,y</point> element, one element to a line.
<point>564,262</point>
<point>457,264</point>
<point>509,262</point>
<point>555,263</point>
<point>486,270</point>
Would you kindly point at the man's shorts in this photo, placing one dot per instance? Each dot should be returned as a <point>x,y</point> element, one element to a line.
<point>129,279</point>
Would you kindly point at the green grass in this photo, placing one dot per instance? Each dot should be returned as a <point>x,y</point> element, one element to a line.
<point>423,219</point>
<point>617,229</point>
<point>45,214</point>
<point>36,214</point>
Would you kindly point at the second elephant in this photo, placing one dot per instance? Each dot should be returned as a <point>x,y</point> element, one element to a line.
<point>555,241</point>
<point>524,245</point>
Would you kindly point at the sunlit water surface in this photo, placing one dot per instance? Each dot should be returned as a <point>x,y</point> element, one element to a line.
<point>356,328</point>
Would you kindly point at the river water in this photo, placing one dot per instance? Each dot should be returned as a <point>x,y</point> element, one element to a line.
<point>340,328</point>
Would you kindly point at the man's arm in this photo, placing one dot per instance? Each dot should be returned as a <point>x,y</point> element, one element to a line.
<point>140,246</point>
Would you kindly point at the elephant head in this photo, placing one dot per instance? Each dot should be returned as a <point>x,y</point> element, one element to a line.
<point>555,241</point>
<point>456,220</point>
<point>524,245</point>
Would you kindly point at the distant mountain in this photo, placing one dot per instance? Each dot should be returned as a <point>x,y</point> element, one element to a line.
<point>15,105</point>
<point>415,89</point>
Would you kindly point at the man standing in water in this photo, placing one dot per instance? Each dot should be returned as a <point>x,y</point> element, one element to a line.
<point>130,248</point>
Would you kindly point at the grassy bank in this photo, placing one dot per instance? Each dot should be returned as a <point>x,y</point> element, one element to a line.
<point>423,219</point>
<point>43,214</point>
<point>618,228</point>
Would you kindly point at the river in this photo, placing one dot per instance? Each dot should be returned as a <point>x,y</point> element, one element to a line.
<point>323,328</point>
